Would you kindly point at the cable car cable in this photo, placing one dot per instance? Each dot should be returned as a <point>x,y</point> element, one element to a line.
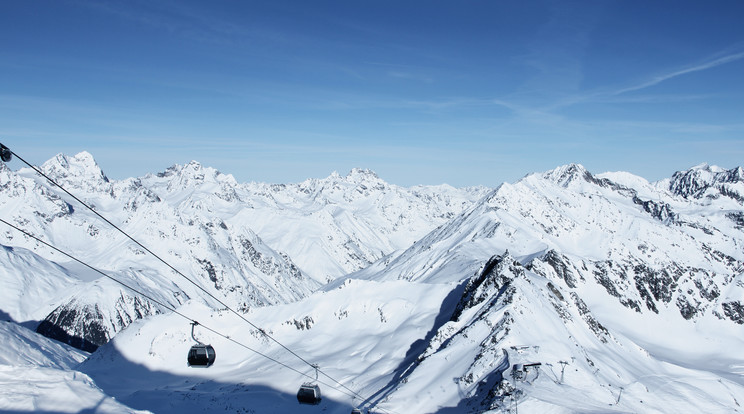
<point>5,151</point>
<point>171,308</point>
<point>5,155</point>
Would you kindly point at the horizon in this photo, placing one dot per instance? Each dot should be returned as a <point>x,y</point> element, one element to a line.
<point>19,165</point>
<point>467,94</point>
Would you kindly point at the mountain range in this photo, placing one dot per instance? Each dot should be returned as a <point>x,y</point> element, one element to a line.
<point>565,291</point>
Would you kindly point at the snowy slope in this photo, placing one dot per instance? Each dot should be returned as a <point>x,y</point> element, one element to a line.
<point>604,276</point>
<point>38,375</point>
<point>360,333</point>
<point>30,286</point>
<point>596,222</point>
<point>424,347</point>
<point>509,315</point>
<point>629,295</point>
<point>248,244</point>
<point>339,224</point>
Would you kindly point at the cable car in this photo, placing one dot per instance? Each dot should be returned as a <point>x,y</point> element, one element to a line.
<point>309,393</point>
<point>200,355</point>
<point>5,153</point>
<point>356,411</point>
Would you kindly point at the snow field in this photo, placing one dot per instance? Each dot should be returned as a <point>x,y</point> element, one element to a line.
<point>39,375</point>
<point>595,277</point>
<point>358,334</point>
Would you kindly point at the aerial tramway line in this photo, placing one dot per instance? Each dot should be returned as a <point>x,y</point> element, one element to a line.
<point>200,354</point>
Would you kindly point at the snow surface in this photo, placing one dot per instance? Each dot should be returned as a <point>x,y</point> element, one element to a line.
<point>30,286</point>
<point>628,294</point>
<point>39,375</point>
<point>359,333</point>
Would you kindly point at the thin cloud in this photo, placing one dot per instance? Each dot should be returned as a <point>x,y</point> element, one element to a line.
<point>707,65</point>
<point>655,98</point>
<point>410,76</point>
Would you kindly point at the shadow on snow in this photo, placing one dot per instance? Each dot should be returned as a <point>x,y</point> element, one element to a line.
<point>410,361</point>
<point>140,388</point>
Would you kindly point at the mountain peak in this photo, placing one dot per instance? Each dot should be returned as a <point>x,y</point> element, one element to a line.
<point>194,165</point>
<point>361,173</point>
<point>566,174</point>
<point>707,168</point>
<point>364,176</point>
<point>359,178</point>
<point>82,166</point>
<point>696,181</point>
<point>195,171</point>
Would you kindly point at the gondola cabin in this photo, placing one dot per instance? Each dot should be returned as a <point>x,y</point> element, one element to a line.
<point>201,356</point>
<point>309,394</point>
<point>356,411</point>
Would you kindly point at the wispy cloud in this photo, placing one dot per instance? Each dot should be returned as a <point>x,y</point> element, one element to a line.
<point>697,68</point>
<point>410,76</point>
<point>664,98</point>
<point>609,94</point>
<point>192,22</point>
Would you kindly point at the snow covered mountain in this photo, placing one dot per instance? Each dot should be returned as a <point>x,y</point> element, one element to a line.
<point>705,181</point>
<point>563,292</point>
<point>250,244</point>
<point>31,285</point>
<point>354,220</point>
<point>635,288</point>
<point>646,246</point>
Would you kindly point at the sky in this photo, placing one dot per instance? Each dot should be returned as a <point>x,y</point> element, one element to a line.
<point>421,92</point>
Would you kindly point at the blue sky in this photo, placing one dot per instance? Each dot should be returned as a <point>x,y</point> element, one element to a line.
<point>422,92</point>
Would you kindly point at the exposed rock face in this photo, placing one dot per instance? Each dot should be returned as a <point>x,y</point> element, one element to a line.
<point>708,181</point>
<point>87,326</point>
<point>483,309</point>
<point>635,284</point>
<point>660,211</point>
<point>489,281</point>
<point>734,311</point>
